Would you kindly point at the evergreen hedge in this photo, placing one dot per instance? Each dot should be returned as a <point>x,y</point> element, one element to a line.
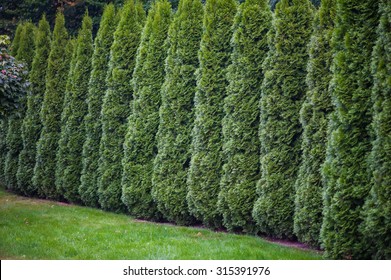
<point>16,41</point>
<point>346,168</point>
<point>88,189</point>
<point>31,126</point>
<point>377,227</point>
<point>26,49</point>
<point>172,162</point>
<point>206,158</point>
<point>50,114</point>
<point>140,145</point>
<point>116,106</point>
<point>314,118</point>
<point>241,122</point>
<point>283,91</point>
<point>3,147</point>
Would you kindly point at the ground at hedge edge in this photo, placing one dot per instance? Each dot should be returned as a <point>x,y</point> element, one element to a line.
<point>43,229</point>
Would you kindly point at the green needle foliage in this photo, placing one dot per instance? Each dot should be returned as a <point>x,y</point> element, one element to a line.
<point>61,159</point>
<point>50,115</point>
<point>176,113</point>
<point>346,169</point>
<point>241,121</point>
<point>16,42</point>
<point>207,141</point>
<point>140,146</point>
<point>32,126</point>
<point>378,207</point>
<point>314,118</point>
<point>3,148</point>
<point>14,140</point>
<point>26,49</point>
<point>116,106</point>
<point>283,91</point>
<point>74,129</point>
<point>88,189</point>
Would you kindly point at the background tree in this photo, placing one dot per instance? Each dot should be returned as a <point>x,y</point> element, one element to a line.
<point>74,130</point>
<point>377,227</point>
<point>50,114</point>
<point>140,144</point>
<point>206,158</point>
<point>314,118</point>
<point>117,105</point>
<point>283,91</point>
<point>92,122</point>
<point>31,126</point>
<point>176,113</point>
<point>346,170</point>
<point>241,122</point>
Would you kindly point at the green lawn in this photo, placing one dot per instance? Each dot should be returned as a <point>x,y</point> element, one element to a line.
<point>39,229</point>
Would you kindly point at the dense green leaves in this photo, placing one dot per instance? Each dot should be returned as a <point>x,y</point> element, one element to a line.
<point>206,157</point>
<point>50,115</point>
<point>176,113</point>
<point>75,110</point>
<point>283,90</point>
<point>314,118</point>
<point>140,144</point>
<point>116,106</point>
<point>32,126</point>
<point>92,122</point>
<point>346,170</point>
<point>241,122</point>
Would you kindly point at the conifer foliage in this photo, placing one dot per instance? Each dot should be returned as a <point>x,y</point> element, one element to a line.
<point>140,145</point>
<point>378,208</point>
<point>97,88</point>
<point>26,49</point>
<point>50,115</point>
<point>74,130</point>
<point>283,90</point>
<point>16,40</point>
<point>346,169</point>
<point>32,126</point>
<point>116,106</point>
<point>314,118</point>
<point>206,158</point>
<point>176,113</point>
<point>241,121</point>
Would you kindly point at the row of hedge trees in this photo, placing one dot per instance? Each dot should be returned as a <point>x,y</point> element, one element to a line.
<point>231,115</point>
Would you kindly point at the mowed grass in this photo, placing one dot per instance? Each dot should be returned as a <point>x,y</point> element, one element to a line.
<point>40,229</point>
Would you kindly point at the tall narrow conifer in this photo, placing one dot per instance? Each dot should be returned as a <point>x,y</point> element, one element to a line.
<point>314,118</point>
<point>176,113</point>
<point>241,122</point>
<point>283,91</point>
<point>31,126</point>
<point>116,106</point>
<point>26,49</point>
<point>206,149</point>
<point>88,189</point>
<point>16,40</point>
<point>140,145</point>
<point>50,114</point>
<point>74,130</point>
<point>346,167</point>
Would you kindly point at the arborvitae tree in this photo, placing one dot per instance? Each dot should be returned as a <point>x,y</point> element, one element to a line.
<point>14,141</point>
<point>50,115</point>
<point>377,227</point>
<point>207,141</point>
<point>97,88</point>
<point>241,121</point>
<point>140,146</point>
<point>176,113</point>
<point>314,118</point>
<point>74,130</point>
<point>16,41</point>
<point>32,126</point>
<point>26,48</point>
<point>346,167</point>
<point>3,148</point>
<point>116,106</point>
<point>283,90</point>
<point>61,158</point>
